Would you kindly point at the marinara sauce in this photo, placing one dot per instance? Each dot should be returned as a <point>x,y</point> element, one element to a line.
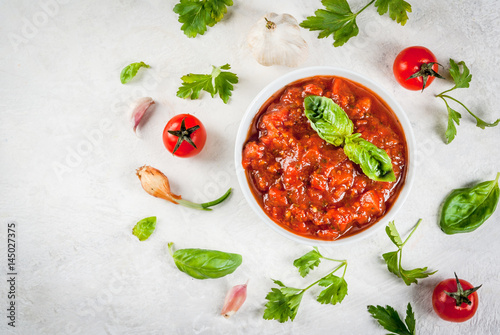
<point>309,186</point>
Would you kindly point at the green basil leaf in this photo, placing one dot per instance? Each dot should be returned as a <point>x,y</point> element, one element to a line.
<point>374,162</point>
<point>335,291</point>
<point>144,228</point>
<point>203,264</point>
<point>130,71</point>
<point>466,209</point>
<point>328,119</point>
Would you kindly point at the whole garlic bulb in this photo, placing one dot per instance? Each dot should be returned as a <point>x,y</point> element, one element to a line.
<point>275,40</point>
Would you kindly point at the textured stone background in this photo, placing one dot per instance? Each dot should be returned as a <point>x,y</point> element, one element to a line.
<point>80,269</point>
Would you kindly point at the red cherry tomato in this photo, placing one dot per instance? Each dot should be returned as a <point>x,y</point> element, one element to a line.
<point>414,60</point>
<point>446,307</point>
<point>184,135</point>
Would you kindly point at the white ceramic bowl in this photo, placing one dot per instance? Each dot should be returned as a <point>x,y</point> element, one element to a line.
<point>277,85</point>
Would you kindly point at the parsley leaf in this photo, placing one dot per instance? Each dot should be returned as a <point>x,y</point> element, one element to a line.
<point>283,303</point>
<point>335,291</point>
<point>308,262</point>
<point>393,234</point>
<point>410,276</point>
<point>130,71</point>
<point>453,117</point>
<point>196,15</point>
<point>217,82</point>
<point>393,258</point>
<point>462,78</point>
<point>389,318</point>
<point>398,9</point>
<point>336,19</point>
<point>410,319</point>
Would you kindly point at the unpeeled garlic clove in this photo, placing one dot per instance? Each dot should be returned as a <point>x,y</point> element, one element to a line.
<point>142,107</point>
<point>234,299</point>
<point>275,40</point>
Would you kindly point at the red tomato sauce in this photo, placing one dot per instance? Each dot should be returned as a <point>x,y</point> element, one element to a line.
<point>309,186</point>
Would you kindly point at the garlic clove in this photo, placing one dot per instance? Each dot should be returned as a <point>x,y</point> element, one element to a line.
<point>276,40</point>
<point>143,106</point>
<point>234,299</point>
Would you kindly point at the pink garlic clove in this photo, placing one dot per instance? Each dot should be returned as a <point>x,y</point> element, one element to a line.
<point>142,106</point>
<point>234,299</point>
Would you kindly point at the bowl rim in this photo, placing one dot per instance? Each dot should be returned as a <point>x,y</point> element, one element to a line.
<point>306,72</point>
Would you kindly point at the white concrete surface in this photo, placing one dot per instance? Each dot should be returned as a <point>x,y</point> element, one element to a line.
<point>80,270</point>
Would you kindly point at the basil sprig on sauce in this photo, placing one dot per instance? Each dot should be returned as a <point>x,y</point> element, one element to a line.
<point>374,162</point>
<point>328,119</point>
<point>333,125</point>
<point>466,209</point>
<point>204,264</point>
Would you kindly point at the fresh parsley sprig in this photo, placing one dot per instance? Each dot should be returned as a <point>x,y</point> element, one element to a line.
<point>197,15</point>
<point>283,302</point>
<point>217,82</point>
<point>393,258</point>
<point>389,318</point>
<point>338,19</point>
<point>462,80</point>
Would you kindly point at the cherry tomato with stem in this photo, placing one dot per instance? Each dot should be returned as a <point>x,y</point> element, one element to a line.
<point>184,135</point>
<point>415,68</point>
<point>455,300</point>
